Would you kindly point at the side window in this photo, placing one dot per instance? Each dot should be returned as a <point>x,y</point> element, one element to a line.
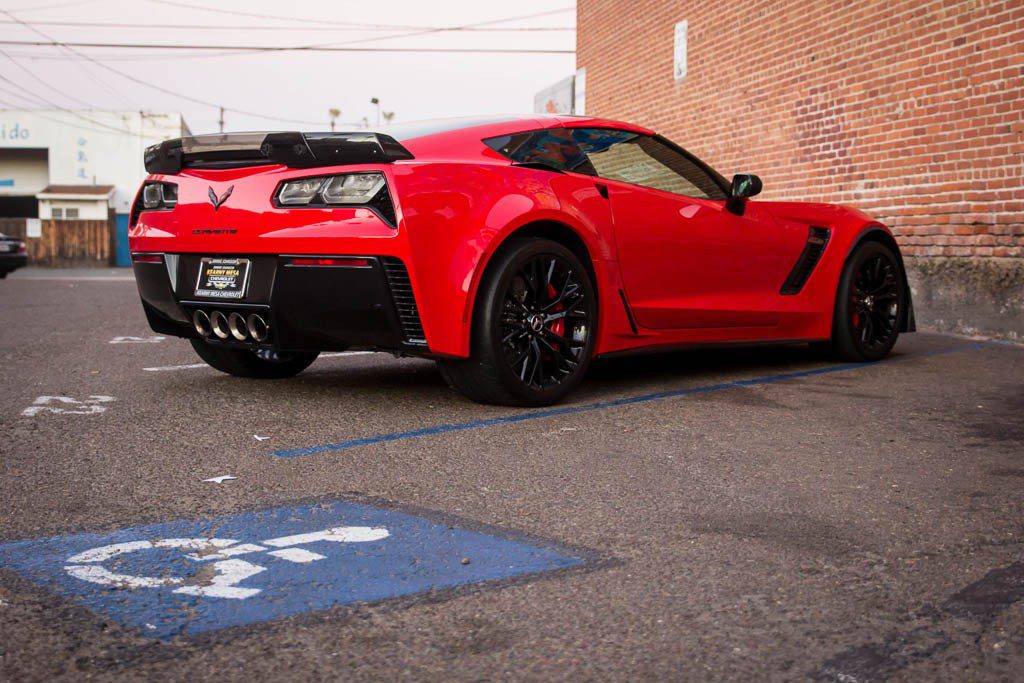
<point>643,160</point>
<point>553,147</point>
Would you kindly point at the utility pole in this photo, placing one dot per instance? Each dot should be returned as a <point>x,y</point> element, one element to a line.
<point>376,102</point>
<point>222,119</point>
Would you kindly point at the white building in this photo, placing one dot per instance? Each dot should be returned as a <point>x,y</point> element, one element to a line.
<point>76,202</point>
<point>77,164</point>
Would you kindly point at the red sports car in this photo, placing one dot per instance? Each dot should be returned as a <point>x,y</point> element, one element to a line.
<point>512,250</point>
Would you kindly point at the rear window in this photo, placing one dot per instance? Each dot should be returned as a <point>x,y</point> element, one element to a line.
<point>419,129</point>
<point>551,147</point>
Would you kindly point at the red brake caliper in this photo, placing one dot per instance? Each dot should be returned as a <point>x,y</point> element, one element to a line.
<point>558,327</point>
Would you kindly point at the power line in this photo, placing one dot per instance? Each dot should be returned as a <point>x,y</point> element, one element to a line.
<point>295,48</point>
<point>154,86</point>
<point>33,100</point>
<point>44,83</point>
<point>51,42</point>
<point>321,20</point>
<point>65,110</point>
<point>93,78</point>
<point>423,32</point>
<point>278,29</point>
<point>43,115</point>
<point>56,5</point>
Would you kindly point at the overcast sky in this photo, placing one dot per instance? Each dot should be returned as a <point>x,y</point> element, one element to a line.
<point>288,85</point>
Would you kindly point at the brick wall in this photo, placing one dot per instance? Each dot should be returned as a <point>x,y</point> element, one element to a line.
<point>911,110</point>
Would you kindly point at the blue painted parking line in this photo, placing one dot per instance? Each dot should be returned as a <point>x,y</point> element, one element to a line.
<point>189,577</point>
<point>599,405</point>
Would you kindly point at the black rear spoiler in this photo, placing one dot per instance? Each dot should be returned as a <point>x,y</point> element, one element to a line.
<point>297,150</point>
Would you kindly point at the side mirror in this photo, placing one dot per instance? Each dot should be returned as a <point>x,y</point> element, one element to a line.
<point>744,186</point>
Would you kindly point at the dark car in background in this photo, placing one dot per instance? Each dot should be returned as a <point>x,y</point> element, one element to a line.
<point>12,255</point>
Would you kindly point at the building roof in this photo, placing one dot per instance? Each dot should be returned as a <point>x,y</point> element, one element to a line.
<point>79,190</point>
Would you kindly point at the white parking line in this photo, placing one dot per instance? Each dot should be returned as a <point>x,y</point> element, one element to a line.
<point>164,368</point>
<point>193,366</point>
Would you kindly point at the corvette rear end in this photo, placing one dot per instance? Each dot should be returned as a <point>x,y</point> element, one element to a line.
<point>282,242</point>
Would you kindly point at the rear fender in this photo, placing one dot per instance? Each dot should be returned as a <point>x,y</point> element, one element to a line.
<point>454,234</point>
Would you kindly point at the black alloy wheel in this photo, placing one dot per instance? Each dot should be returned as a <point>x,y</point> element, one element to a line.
<point>875,302</point>
<point>544,322</point>
<point>534,327</point>
<point>869,305</point>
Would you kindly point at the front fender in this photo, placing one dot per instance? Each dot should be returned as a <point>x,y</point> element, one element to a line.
<point>849,228</point>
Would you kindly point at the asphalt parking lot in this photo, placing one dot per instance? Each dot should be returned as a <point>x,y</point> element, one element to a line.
<point>741,514</point>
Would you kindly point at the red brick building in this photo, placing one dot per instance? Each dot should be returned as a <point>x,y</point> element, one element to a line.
<point>912,110</point>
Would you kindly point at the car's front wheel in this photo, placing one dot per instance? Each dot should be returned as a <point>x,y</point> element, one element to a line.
<point>533,329</point>
<point>870,304</point>
<point>262,364</point>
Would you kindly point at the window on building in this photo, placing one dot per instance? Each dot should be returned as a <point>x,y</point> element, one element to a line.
<point>644,160</point>
<point>70,213</point>
<point>553,147</point>
<point>57,212</point>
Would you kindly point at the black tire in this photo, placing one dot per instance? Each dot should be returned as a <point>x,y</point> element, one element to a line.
<point>870,304</point>
<point>253,364</point>
<point>549,316</point>
<point>3,274</point>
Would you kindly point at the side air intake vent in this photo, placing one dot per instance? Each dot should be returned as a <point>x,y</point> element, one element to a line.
<point>817,238</point>
<point>405,302</point>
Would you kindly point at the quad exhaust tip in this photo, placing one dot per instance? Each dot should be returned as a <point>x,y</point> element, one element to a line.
<point>257,327</point>
<point>236,323</point>
<point>233,325</point>
<point>201,322</point>
<point>219,323</point>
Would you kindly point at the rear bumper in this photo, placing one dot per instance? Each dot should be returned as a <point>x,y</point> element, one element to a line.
<point>9,262</point>
<point>308,307</point>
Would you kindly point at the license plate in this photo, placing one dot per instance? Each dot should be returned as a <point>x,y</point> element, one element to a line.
<point>223,278</point>
<point>6,247</point>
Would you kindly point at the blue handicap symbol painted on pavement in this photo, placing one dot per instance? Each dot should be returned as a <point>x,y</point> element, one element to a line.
<point>194,576</point>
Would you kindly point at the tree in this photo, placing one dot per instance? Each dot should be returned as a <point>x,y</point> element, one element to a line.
<point>334,114</point>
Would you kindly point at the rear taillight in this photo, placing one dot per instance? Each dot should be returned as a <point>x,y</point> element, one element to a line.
<point>21,247</point>
<point>154,196</point>
<point>363,189</point>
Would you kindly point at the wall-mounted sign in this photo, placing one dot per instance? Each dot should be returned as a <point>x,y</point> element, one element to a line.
<point>33,227</point>
<point>679,60</point>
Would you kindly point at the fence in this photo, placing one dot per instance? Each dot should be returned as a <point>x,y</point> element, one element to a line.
<point>66,243</point>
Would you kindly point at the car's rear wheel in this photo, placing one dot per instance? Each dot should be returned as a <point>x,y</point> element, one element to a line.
<point>870,304</point>
<point>262,364</point>
<point>533,329</point>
